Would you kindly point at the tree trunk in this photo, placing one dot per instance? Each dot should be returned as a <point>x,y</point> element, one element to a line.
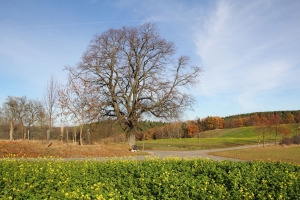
<point>48,136</point>
<point>24,132</point>
<point>80,136</point>
<point>131,138</point>
<point>67,132</point>
<point>61,134</point>
<point>89,137</point>
<point>11,131</point>
<point>49,131</point>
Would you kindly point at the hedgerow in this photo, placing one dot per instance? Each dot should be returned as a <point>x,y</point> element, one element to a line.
<point>170,178</point>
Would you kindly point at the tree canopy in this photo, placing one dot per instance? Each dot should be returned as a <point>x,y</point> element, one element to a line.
<point>138,74</point>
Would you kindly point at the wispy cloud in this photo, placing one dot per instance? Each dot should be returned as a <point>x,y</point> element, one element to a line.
<point>245,53</point>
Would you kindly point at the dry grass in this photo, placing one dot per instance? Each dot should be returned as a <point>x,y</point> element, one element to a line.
<point>35,149</point>
<point>289,154</point>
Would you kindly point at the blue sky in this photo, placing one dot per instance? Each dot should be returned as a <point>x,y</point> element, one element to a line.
<point>249,50</point>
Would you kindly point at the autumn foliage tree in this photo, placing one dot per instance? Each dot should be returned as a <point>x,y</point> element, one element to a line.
<point>261,128</point>
<point>138,75</point>
<point>212,122</point>
<point>251,119</point>
<point>192,129</point>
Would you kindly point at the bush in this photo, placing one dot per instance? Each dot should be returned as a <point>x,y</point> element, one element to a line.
<point>287,141</point>
<point>296,139</point>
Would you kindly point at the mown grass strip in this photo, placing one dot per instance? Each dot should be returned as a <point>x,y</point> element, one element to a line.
<point>274,153</point>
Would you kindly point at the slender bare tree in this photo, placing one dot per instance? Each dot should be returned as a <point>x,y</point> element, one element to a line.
<point>80,102</point>
<point>33,109</point>
<point>49,101</point>
<point>10,115</point>
<point>138,74</point>
<point>16,110</point>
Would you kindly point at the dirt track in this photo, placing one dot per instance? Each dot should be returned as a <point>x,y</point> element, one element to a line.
<point>186,154</point>
<point>198,153</point>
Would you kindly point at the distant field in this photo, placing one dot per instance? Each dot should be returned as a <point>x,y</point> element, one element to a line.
<point>220,138</point>
<point>243,132</point>
<point>192,143</point>
<point>274,153</point>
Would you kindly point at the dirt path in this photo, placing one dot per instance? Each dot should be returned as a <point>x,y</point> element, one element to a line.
<point>196,154</point>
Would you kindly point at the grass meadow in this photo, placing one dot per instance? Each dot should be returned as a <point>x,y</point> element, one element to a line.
<point>220,138</point>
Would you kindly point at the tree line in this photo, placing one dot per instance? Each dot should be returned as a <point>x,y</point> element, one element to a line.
<point>252,119</point>
<point>24,118</point>
<point>264,122</point>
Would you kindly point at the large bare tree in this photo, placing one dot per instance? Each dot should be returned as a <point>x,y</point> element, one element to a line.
<point>138,74</point>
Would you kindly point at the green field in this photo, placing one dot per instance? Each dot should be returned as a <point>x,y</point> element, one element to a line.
<point>170,178</point>
<point>220,138</point>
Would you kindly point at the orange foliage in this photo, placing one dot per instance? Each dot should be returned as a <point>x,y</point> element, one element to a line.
<point>192,129</point>
<point>211,123</point>
<point>284,131</point>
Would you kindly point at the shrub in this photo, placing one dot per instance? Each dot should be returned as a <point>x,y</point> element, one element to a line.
<point>296,139</point>
<point>287,141</point>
